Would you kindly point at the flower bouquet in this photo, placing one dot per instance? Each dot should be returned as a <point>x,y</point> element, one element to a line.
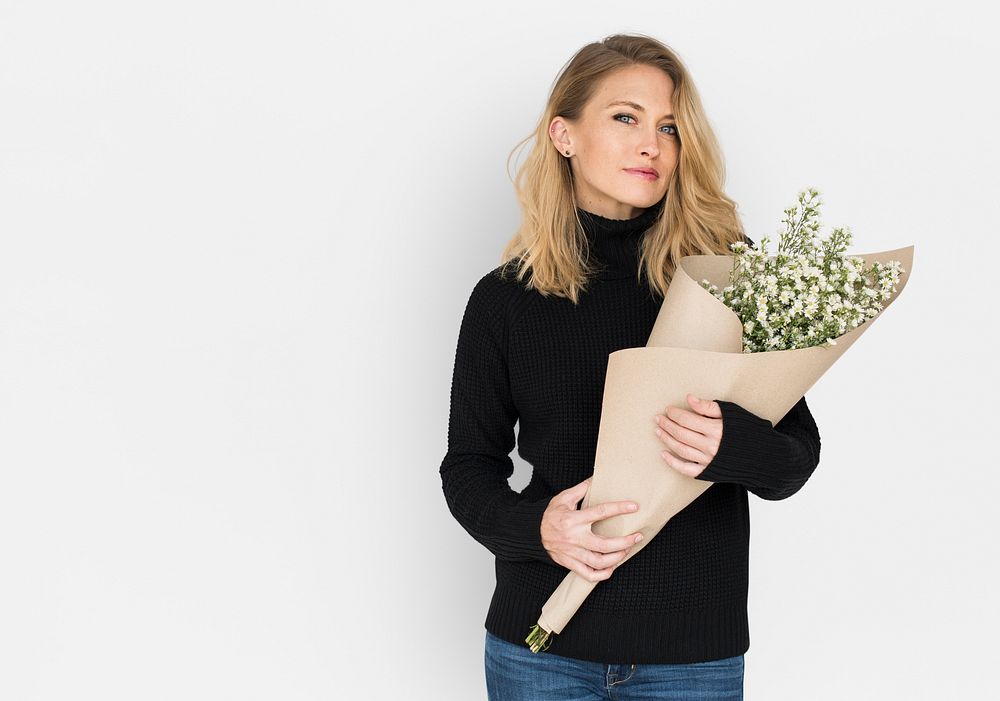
<point>778,323</point>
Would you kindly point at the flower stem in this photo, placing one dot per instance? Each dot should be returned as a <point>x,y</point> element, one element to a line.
<point>538,638</point>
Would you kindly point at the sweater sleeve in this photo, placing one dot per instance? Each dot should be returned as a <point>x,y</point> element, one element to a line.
<point>477,465</point>
<point>773,462</point>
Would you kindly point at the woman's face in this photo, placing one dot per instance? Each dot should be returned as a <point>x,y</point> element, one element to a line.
<point>610,141</point>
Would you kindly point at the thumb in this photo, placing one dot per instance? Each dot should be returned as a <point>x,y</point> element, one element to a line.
<point>705,407</point>
<point>577,492</point>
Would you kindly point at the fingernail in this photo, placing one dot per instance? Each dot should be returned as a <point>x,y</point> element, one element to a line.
<point>633,507</point>
<point>638,538</point>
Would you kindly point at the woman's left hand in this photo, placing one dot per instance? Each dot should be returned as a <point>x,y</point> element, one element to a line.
<point>692,438</point>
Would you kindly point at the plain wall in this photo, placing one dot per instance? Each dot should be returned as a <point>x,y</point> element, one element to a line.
<point>237,241</point>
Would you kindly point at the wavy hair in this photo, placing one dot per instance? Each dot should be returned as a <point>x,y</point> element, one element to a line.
<point>549,247</point>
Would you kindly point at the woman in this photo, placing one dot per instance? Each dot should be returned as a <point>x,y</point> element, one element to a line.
<point>624,179</point>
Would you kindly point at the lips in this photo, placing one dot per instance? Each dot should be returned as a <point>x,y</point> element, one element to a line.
<point>648,173</point>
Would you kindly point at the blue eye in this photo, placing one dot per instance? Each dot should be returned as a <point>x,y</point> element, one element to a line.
<point>671,127</point>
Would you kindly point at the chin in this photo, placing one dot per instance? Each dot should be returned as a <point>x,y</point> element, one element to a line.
<point>643,201</point>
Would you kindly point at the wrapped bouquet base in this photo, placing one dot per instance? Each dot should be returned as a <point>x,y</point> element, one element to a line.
<point>695,346</point>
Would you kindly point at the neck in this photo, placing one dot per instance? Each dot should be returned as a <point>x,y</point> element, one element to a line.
<point>614,243</point>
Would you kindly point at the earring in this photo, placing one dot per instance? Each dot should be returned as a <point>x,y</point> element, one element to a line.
<point>567,152</point>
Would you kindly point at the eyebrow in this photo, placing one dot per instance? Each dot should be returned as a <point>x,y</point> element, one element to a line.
<point>636,106</point>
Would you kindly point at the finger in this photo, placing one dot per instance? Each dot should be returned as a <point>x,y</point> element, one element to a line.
<point>706,407</point>
<point>683,435</point>
<point>684,467</point>
<point>577,492</point>
<point>588,572</point>
<point>600,561</point>
<point>689,419</point>
<point>610,544</point>
<point>607,509</point>
<point>674,435</point>
<point>683,450</point>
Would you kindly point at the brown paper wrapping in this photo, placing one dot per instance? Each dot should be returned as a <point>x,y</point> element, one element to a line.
<point>695,346</point>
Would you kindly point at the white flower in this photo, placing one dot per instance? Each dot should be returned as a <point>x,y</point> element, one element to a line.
<point>813,292</point>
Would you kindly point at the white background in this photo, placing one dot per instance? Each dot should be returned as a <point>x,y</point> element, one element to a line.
<point>237,240</point>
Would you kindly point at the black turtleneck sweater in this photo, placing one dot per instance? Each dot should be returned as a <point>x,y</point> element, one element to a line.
<point>541,363</point>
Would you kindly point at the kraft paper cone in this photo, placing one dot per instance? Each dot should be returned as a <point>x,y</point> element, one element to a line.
<point>695,346</point>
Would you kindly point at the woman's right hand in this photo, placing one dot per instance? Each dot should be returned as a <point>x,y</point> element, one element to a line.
<point>567,536</point>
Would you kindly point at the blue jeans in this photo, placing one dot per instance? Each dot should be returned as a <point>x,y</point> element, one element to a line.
<point>515,673</point>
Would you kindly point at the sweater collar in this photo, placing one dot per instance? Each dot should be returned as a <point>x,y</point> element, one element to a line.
<point>614,243</point>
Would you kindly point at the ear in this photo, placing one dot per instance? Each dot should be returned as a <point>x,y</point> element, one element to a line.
<point>559,135</point>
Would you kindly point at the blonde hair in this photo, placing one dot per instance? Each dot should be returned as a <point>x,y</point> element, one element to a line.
<point>697,218</point>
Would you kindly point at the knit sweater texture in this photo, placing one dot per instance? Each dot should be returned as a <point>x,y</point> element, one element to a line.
<point>540,363</point>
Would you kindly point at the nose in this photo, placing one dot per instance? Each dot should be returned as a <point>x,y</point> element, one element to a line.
<point>649,146</point>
